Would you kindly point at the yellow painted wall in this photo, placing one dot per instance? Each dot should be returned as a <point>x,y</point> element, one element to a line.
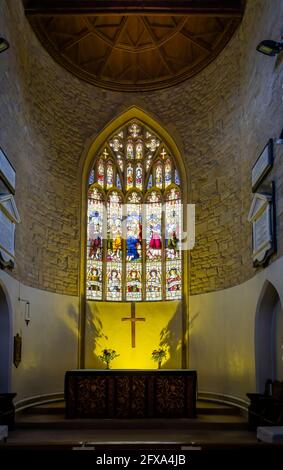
<point>105,329</point>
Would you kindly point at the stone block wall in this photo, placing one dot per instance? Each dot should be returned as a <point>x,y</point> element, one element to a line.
<point>221,119</point>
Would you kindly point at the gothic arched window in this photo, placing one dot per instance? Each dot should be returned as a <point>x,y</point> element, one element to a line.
<point>134,219</point>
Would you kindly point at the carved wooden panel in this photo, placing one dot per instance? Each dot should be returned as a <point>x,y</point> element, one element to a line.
<point>132,394</point>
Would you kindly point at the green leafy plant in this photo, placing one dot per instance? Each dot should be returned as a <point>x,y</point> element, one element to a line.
<point>107,355</point>
<point>158,355</point>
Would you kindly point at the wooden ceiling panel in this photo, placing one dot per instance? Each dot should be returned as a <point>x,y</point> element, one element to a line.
<point>129,50</point>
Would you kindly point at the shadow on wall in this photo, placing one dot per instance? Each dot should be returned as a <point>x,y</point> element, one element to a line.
<point>171,339</point>
<point>192,320</point>
<point>73,319</point>
<point>49,348</point>
<point>94,328</point>
<point>43,369</point>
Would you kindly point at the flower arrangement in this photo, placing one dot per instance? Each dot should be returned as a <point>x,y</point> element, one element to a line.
<point>158,355</point>
<point>107,355</point>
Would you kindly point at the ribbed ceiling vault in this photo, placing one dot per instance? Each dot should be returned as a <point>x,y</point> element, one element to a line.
<point>132,45</point>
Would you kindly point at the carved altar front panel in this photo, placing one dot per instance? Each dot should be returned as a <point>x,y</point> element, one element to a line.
<point>130,394</point>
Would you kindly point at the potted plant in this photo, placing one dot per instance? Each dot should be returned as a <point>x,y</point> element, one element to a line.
<point>158,355</point>
<point>107,355</point>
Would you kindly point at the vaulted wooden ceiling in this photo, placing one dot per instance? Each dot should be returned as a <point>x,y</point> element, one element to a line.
<point>132,45</point>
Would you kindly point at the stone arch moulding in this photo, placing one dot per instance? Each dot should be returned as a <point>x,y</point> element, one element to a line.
<point>6,328</point>
<point>268,299</point>
<point>133,112</point>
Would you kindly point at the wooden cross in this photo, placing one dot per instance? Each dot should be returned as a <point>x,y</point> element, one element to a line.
<point>133,320</point>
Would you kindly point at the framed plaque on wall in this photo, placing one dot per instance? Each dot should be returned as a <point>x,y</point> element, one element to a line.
<point>263,165</point>
<point>9,217</point>
<point>262,217</point>
<point>7,172</point>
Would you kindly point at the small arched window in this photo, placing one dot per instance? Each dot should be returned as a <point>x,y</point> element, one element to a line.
<point>134,219</point>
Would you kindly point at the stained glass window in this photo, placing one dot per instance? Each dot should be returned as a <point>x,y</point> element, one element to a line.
<point>130,176</point>
<point>168,173</point>
<point>139,169</point>
<point>109,175</point>
<point>94,243</point>
<point>134,219</point>
<point>139,150</point>
<point>100,173</point>
<point>134,247</point>
<point>91,177</point>
<point>130,150</point>
<point>118,182</point>
<point>153,246</point>
<point>114,246</point>
<point>158,175</point>
<point>173,230</point>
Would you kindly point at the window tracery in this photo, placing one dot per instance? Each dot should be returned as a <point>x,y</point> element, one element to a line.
<point>134,219</point>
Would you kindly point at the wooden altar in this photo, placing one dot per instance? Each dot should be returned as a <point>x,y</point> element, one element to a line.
<point>96,393</point>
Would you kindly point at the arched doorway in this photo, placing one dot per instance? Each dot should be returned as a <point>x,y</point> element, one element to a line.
<point>5,343</point>
<point>277,334</point>
<point>268,337</point>
<point>135,160</point>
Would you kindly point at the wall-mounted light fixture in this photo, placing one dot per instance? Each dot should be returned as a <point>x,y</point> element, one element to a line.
<point>27,313</point>
<point>4,45</point>
<point>270,48</point>
<point>27,310</point>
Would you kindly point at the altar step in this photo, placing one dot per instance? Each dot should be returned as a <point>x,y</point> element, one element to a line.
<point>209,416</point>
<point>203,408</point>
<point>211,408</point>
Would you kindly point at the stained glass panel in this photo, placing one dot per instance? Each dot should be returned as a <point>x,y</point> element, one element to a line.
<point>177,178</point>
<point>134,228</point>
<point>100,173</point>
<point>118,182</point>
<point>150,183</point>
<point>173,280</point>
<point>91,177</point>
<point>168,173</point>
<point>130,150</point>
<point>152,142</point>
<point>153,226</point>
<point>134,130</point>
<point>139,150</point>
<point>95,224</point>
<point>94,244</point>
<point>120,162</point>
<point>109,175</point>
<point>153,281</point>
<point>139,176</point>
<point>159,175</point>
<point>153,246</point>
<point>135,164</point>
<point>114,281</point>
<point>116,144</point>
<point>148,161</point>
<point>94,280</point>
<point>134,282</point>
<point>114,227</point>
<point>130,176</point>
<point>173,228</point>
